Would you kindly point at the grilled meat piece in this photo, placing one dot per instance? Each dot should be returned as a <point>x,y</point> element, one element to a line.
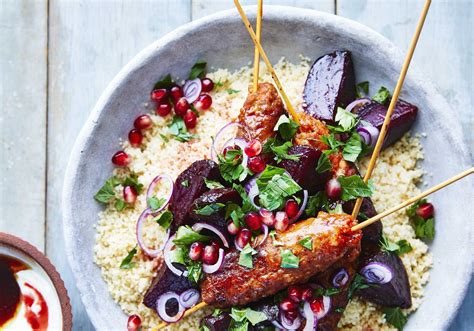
<point>261,111</point>
<point>235,285</point>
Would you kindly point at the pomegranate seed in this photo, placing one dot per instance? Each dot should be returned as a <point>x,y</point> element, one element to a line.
<point>207,84</point>
<point>425,210</point>
<point>134,322</point>
<point>281,221</point>
<point>176,93</point>
<point>243,237</point>
<point>256,164</point>
<point>253,221</point>
<point>190,119</point>
<point>130,194</point>
<point>195,251</point>
<point>317,305</point>
<point>181,107</point>
<point>135,137</point>
<point>214,243</point>
<point>253,148</point>
<point>294,292</point>
<point>203,102</point>
<point>143,122</point>
<point>333,189</point>
<point>292,314</point>
<point>288,305</point>
<point>121,159</point>
<point>159,95</point>
<point>210,255</point>
<point>306,294</point>
<point>351,172</point>
<point>232,228</point>
<point>163,109</point>
<point>267,217</point>
<point>291,208</point>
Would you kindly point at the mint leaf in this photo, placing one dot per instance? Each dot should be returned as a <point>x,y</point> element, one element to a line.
<point>230,166</point>
<point>387,245</point>
<point>346,119</point>
<point>289,260</point>
<point>362,89</point>
<point>306,243</point>
<point>245,258</point>
<point>120,205</point>
<point>232,91</point>
<point>165,219</point>
<point>198,70</point>
<point>194,271</point>
<point>178,130</point>
<point>186,236</point>
<point>127,261</point>
<point>424,229</point>
<point>132,181</point>
<point>155,203</point>
<point>320,291</point>
<point>354,187</point>
<point>286,127</point>
<point>358,283</point>
<point>281,152</point>
<point>395,317</point>
<point>247,314</point>
<point>209,209</point>
<point>332,142</point>
<point>404,247</point>
<point>382,95</point>
<point>352,148</point>
<point>324,164</point>
<point>185,183</point>
<point>165,83</point>
<point>275,185</point>
<point>107,192</point>
<point>164,138</point>
<point>212,184</point>
<point>411,211</point>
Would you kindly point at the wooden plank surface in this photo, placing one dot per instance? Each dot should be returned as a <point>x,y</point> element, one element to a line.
<point>444,53</point>
<point>89,42</point>
<point>23,40</point>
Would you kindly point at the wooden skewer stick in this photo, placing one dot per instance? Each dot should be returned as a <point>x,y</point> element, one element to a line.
<point>413,200</point>
<point>188,312</point>
<point>264,56</point>
<point>256,57</point>
<point>391,107</point>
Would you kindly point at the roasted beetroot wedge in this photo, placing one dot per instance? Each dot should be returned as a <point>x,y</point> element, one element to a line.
<point>403,117</point>
<point>217,322</point>
<point>394,293</point>
<point>212,197</point>
<point>330,84</point>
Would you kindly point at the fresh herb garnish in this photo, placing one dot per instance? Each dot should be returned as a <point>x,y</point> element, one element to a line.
<point>339,310</point>
<point>345,119</point>
<point>165,219</point>
<point>166,83</point>
<point>185,183</point>
<point>362,89</point>
<point>245,258</point>
<point>186,236</point>
<point>212,184</point>
<point>107,192</point>
<point>127,261</point>
<point>382,95</point>
<point>327,292</point>
<point>155,203</point>
<point>178,130</point>
<point>424,229</point>
<point>335,209</point>
<point>230,166</point>
<point>306,243</point>
<point>353,148</point>
<point>281,152</point>
<point>286,127</point>
<point>275,185</point>
<point>315,203</point>
<point>209,209</point>
<point>232,91</point>
<point>324,164</point>
<point>395,317</point>
<point>247,314</point>
<point>288,259</point>
<point>164,138</point>
<point>275,242</point>
<point>198,70</point>
<point>404,247</point>
<point>120,205</point>
<point>194,271</point>
<point>354,187</point>
<point>132,180</point>
<point>332,142</point>
<point>400,247</point>
<point>358,283</point>
<point>219,83</point>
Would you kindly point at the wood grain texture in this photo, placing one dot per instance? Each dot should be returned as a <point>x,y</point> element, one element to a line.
<point>444,53</point>
<point>23,40</point>
<point>90,41</point>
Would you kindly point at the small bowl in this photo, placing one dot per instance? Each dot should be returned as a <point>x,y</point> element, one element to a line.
<point>18,249</point>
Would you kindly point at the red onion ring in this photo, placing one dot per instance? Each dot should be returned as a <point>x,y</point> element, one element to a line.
<point>151,188</point>
<point>219,134</point>
<point>212,268</point>
<point>189,298</point>
<point>192,89</point>
<point>199,226</point>
<point>352,106</point>
<point>340,278</point>
<point>369,134</point>
<point>139,229</point>
<point>161,307</point>
<point>302,208</point>
<point>290,325</point>
<point>377,273</point>
<point>166,254</point>
<point>265,235</point>
<point>311,320</point>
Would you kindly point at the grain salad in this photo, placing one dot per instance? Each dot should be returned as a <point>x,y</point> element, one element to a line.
<point>396,177</point>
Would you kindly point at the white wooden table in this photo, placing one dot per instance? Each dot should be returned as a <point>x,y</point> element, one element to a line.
<point>57,56</point>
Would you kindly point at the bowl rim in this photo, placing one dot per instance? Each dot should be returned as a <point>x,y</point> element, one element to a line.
<point>272,12</point>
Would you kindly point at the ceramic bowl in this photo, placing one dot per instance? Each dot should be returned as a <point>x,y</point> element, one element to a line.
<point>222,41</point>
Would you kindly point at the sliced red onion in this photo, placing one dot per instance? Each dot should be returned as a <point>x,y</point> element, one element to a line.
<point>151,189</point>
<point>189,298</point>
<point>358,102</point>
<point>139,233</point>
<point>252,190</point>
<point>237,246</point>
<point>369,134</point>
<point>277,325</point>
<point>161,307</point>
<point>212,268</point>
<point>290,324</point>
<point>341,278</point>
<point>311,319</point>
<point>167,255</point>
<point>219,135</point>
<point>199,226</point>
<point>302,208</point>
<point>265,235</point>
<point>377,273</point>
<point>192,89</point>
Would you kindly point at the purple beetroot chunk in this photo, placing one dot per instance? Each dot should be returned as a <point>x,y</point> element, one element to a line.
<point>303,171</point>
<point>330,84</point>
<point>218,195</point>
<point>189,186</point>
<point>403,117</point>
<point>219,322</point>
<point>395,293</point>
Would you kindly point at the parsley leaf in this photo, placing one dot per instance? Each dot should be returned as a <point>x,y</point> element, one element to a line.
<point>362,89</point>
<point>332,142</point>
<point>120,205</point>
<point>395,317</point>
<point>107,192</point>
<point>212,184</point>
<point>209,209</point>
<point>404,247</point>
<point>354,187</point>
<point>247,314</point>
<point>194,271</point>
<point>132,181</point>
<point>324,164</point>
<point>424,229</point>
<point>286,127</point>
<point>306,243</point>
<point>245,258</point>
<point>232,91</point>
<point>198,70</point>
<point>185,183</point>
<point>166,83</point>
<point>382,95</point>
<point>358,283</point>
<point>186,236</point>
<point>352,148</point>
<point>320,291</point>
<point>281,152</point>
<point>127,261</point>
<point>346,119</point>
<point>178,130</point>
<point>165,219</point>
<point>387,245</point>
<point>155,203</point>
<point>275,185</point>
<point>288,259</point>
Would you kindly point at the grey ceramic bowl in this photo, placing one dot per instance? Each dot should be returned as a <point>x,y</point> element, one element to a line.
<point>222,41</point>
